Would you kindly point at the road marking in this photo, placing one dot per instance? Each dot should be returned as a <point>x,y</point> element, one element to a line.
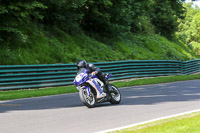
<point>145,122</point>
<point>10,104</point>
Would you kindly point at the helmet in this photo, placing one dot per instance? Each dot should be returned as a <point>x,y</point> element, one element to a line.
<point>81,64</point>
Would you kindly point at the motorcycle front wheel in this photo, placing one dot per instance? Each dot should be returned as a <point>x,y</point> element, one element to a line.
<point>87,100</point>
<point>115,95</point>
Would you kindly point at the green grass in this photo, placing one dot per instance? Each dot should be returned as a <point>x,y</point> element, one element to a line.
<point>17,94</point>
<point>52,45</point>
<point>157,80</point>
<point>189,123</point>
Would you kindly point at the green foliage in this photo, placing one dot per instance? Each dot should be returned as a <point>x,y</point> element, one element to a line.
<point>165,15</point>
<point>64,31</point>
<point>141,19</point>
<point>64,14</point>
<point>189,28</point>
<point>108,18</point>
<point>156,16</point>
<point>104,18</point>
<point>16,13</point>
<point>56,46</point>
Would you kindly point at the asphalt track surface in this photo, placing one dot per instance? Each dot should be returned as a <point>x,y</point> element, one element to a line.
<point>66,114</point>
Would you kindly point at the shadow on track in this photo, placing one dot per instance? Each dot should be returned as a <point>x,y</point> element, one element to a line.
<point>168,92</point>
<point>139,95</point>
<point>42,103</point>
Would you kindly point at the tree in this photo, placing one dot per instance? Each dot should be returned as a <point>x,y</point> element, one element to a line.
<point>189,28</point>
<point>165,16</point>
<point>64,14</point>
<point>108,18</point>
<point>143,11</point>
<point>15,13</point>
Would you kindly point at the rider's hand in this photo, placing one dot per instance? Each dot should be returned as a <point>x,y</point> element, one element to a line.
<point>94,73</point>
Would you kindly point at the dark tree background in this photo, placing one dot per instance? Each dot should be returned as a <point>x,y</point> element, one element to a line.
<point>105,18</point>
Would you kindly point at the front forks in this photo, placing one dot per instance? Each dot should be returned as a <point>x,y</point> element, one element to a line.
<point>88,90</point>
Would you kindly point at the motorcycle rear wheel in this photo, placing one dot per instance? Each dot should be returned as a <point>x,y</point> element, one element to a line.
<point>115,95</point>
<point>88,101</point>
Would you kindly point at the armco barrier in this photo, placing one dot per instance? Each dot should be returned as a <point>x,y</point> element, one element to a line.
<point>189,67</point>
<point>38,76</point>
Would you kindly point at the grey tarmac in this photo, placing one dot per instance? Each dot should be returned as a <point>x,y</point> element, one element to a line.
<point>66,114</point>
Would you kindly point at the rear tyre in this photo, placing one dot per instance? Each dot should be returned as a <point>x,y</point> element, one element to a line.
<point>115,95</point>
<point>88,101</point>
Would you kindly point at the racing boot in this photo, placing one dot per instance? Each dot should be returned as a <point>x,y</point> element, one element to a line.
<point>102,77</point>
<point>107,86</point>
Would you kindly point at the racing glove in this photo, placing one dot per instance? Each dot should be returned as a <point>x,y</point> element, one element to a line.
<point>94,73</point>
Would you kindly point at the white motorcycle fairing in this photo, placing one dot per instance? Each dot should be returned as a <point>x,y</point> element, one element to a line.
<point>96,84</point>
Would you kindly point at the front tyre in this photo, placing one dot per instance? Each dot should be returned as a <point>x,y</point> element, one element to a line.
<point>87,100</point>
<point>115,95</point>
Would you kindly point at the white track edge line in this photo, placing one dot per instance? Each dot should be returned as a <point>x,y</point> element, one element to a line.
<point>145,122</point>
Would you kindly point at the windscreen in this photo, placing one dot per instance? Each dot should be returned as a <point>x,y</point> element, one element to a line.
<point>81,71</point>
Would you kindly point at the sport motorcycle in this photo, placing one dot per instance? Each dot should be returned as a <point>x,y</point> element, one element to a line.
<point>88,86</point>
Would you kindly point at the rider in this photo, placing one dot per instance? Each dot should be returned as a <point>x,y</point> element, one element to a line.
<point>94,71</point>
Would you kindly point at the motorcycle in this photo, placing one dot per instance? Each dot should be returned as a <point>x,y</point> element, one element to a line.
<point>87,86</point>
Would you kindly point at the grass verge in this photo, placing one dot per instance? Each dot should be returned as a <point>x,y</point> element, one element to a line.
<point>157,80</point>
<point>188,123</point>
<point>17,94</point>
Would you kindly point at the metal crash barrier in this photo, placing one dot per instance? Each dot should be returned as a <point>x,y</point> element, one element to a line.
<point>49,75</point>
